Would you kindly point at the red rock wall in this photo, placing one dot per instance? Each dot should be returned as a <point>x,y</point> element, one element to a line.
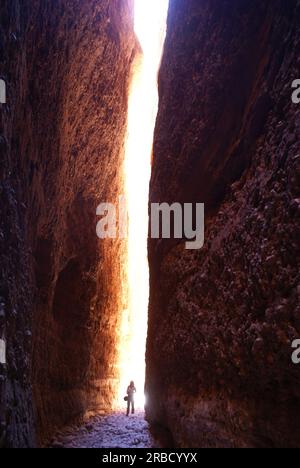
<point>67,66</point>
<point>222,319</point>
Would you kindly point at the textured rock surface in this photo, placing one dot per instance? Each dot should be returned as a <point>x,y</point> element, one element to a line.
<point>67,66</point>
<point>222,319</point>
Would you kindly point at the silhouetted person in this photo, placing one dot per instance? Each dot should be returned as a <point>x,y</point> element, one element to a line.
<point>131,390</point>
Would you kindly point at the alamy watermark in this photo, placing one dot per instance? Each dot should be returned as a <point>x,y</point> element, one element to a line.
<point>296,93</point>
<point>296,353</point>
<point>178,221</point>
<point>2,92</point>
<point>2,352</point>
<point>188,223</point>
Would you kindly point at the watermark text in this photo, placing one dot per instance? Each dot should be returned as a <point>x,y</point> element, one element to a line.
<point>296,93</point>
<point>296,353</point>
<point>178,221</point>
<point>2,92</point>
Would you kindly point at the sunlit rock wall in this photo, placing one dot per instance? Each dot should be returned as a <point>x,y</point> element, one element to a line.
<point>222,319</point>
<point>67,67</point>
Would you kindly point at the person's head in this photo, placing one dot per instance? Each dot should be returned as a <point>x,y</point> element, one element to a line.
<point>132,383</point>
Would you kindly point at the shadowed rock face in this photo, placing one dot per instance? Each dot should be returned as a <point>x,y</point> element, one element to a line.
<point>222,319</point>
<point>67,66</point>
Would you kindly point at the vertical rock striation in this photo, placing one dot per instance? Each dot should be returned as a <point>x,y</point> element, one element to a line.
<point>67,66</point>
<point>222,319</point>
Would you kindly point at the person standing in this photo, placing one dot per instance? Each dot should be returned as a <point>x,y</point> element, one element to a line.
<point>131,390</point>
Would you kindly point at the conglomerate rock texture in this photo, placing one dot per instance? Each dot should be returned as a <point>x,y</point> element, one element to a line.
<point>222,319</point>
<point>67,67</point>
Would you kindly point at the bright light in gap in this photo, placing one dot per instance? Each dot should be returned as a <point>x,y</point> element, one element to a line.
<point>150,27</point>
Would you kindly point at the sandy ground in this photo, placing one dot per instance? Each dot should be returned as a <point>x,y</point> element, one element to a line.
<point>113,431</point>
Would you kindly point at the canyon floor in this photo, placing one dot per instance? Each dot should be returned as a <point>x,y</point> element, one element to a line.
<point>112,431</point>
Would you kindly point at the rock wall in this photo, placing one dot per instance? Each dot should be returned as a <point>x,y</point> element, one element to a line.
<point>222,319</point>
<point>67,68</point>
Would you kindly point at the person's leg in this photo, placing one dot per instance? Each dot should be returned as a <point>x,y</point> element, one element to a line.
<point>132,407</point>
<point>128,407</point>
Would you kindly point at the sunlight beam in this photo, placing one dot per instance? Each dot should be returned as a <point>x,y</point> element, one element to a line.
<point>150,28</point>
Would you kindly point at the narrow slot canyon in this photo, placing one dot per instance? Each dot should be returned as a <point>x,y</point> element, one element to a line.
<point>111,107</point>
